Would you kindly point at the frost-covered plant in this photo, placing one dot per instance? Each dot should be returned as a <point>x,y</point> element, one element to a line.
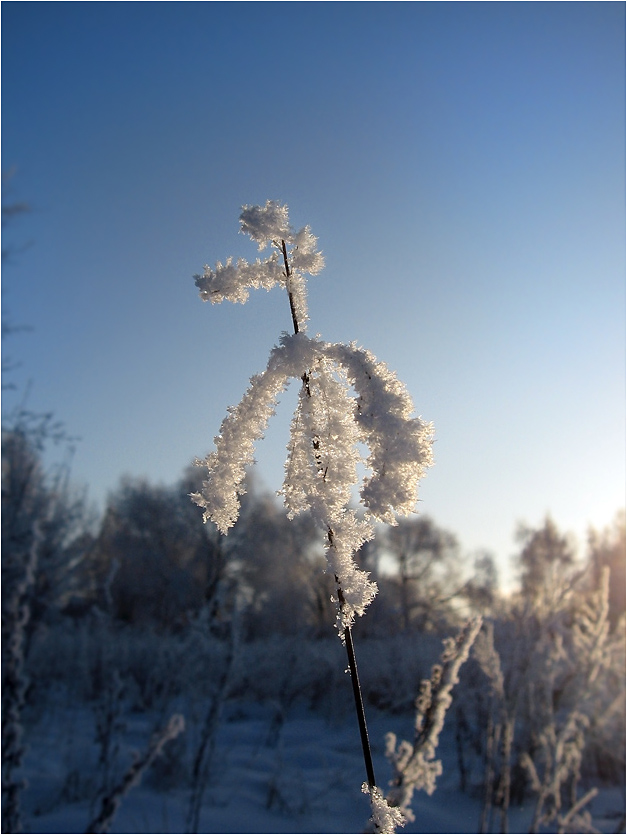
<point>321,466</point>
<point>560,750</point>
<point>206,743</point>
<point>499,733</point>
<point>15,615</point>
<point>414,764</point>
<point>328,426</point>
<point>550,686</point>
<point>562,733</point>
<point>111,802</point>
<point>108,711</point>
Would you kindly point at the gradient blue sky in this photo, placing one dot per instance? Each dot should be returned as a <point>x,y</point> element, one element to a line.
<point>463,165</point>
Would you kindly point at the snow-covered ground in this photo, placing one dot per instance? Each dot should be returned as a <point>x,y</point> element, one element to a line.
<point>270,773</point>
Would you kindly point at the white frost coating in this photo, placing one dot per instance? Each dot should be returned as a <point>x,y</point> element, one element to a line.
<point>305,257</point>
<point>320,470</point>
<point>297,288</point>
<point>385,819</point>
<point>329,423</point>
<point>230,282</point>
<point>267,224</point>
<point>244,424</point>
<point>322,458</point>
<point>348,534</point>
<point>414,765</point>
<point>400,446</point>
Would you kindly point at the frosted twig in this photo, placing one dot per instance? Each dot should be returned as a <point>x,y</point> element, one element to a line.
<point>111,802</point>
<point>574,816</point>
<point>414,764</point>
<point>204,752</point>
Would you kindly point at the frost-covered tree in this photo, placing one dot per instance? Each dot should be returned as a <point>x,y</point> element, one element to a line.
<point>276,563</point>
<point>153,559</point>
<point>42,541</point>
<point>607,548</point>
<point>346,398</point>
<point>482,588</point>
<point>427,560</point>
<point>38,498</point>
<point>545,563</point>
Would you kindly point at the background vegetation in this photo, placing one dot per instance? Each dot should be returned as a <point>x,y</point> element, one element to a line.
<point>146,611</point>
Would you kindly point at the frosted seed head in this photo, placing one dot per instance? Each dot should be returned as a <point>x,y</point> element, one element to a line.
<point>305,258</point>
<point>266,223</point>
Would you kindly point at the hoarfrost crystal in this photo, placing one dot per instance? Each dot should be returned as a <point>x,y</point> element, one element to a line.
<point>329,423</point>
<point>385,818</point>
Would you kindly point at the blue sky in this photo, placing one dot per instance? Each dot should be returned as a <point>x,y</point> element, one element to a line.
<point>463,165</point>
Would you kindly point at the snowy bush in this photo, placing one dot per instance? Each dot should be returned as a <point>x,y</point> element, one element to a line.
<point>556,682</point>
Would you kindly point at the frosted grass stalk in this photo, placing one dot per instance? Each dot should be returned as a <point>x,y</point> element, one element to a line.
<point>562,738</point>
<point>111,802</point>
<point>328,426</point>
<point>414,764</point>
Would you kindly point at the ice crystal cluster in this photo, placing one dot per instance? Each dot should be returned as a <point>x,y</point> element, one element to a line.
<point>385,819</point>
<point>346,398</point>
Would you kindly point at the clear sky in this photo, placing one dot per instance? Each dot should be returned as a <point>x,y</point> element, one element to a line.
<point>463,165</point>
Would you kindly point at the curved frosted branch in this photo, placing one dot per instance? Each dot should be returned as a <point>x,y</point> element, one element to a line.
<point>322,461</point>
<point>400,446</point>
<point>245,424</point>
<point>231,282</point>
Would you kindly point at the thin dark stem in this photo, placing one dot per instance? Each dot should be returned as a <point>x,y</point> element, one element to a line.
<point>288,273</point>
<point>348,637</point>
<point>359,704</point>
